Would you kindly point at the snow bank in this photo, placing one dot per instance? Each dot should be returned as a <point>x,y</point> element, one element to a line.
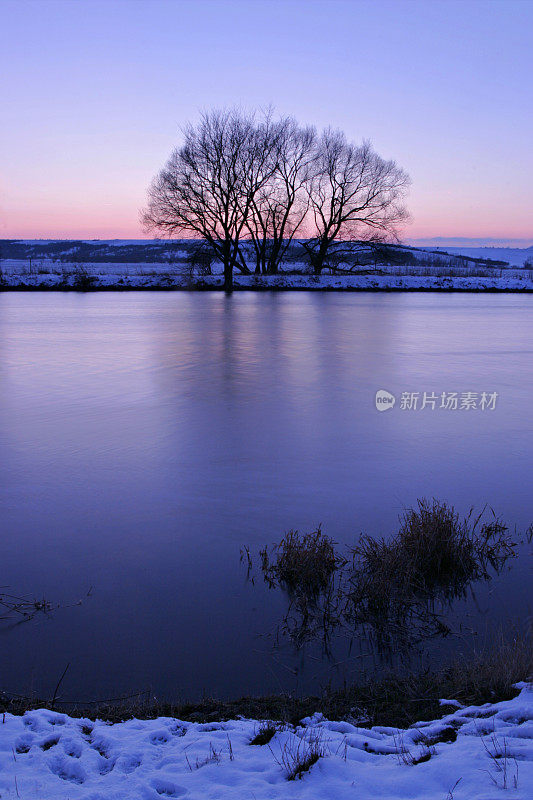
<point>49,756</point>
<point>115,277</point>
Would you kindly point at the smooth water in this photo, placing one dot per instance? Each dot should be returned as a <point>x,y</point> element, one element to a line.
<point>146,437</point>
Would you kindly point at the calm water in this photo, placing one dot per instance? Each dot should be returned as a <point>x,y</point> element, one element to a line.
<point>145,437</point>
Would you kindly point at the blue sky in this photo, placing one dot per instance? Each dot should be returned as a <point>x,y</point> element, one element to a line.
<point>94,92</point>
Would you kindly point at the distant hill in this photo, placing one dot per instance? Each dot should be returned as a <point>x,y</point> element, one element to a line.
<point>97,250</point>
<point>466,241</point>
<point>180,251</point>
<point>512,255</point>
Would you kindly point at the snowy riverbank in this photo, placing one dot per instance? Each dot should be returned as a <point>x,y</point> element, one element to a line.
<point>94,279</point>
<point>473,752</point>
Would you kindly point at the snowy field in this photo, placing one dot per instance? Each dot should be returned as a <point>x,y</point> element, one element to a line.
<point>473,753</point>
<point>108,275</point>
<point>175,280</point>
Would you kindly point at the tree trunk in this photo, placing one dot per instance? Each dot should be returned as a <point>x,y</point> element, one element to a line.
<point>320,258</point>
<point>228,276</point>
<point>318,263</point>
<point>272,266</point>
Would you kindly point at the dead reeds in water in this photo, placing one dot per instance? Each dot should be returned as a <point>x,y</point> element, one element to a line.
<point>394,589</point>
<point>22,608</point>
<point>400,586</point>
<point>306,567</point>
<point>301,564</point>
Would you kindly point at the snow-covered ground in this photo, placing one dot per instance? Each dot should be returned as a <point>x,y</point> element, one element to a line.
<point>473,753</point>
<point>178,263</point>
<point>154,276</point>
<point>123,264</point>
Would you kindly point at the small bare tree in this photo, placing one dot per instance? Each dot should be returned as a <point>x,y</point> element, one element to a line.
<point>279,209</point>
<point>208,185</point>
<point>354,195</point>
<point>200,259</point>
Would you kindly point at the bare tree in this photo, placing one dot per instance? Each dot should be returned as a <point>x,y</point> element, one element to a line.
<point>208,185</point>
<point>354,195</point>
<point>245,184</point>
<point>279,208</point>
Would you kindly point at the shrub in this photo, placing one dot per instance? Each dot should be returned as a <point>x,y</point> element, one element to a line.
<point>81,280</point>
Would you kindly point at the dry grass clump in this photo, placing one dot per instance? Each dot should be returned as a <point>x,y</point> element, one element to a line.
<point>394,590</point>
<point>298,755</point>
<point>401,698</point>
<point>409,758</point>
<point>490,673</point>
<point>305,567</point>
<point>504,765</point>
<point>434,550</point>
<point>265,733</point>
<point>440,547</point>
<point>301,564</point>
<point>395,587</point>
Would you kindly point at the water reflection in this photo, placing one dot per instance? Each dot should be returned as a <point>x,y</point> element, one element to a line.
<point>144,438</point>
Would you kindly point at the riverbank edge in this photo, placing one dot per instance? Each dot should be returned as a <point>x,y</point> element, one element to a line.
<point>393,700</point>
<point>279,708</point>
<point>400,698</point>
<point>84,280</point>
<point>209,288</point>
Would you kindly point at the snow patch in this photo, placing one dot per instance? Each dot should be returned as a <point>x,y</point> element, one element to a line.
<point>165,757</point>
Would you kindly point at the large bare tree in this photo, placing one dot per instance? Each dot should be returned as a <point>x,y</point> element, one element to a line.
<point>354,195</point>
<point>209,184</point>
<point>246,184</point>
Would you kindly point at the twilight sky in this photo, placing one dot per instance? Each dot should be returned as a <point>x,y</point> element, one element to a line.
<point>94,92</point>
